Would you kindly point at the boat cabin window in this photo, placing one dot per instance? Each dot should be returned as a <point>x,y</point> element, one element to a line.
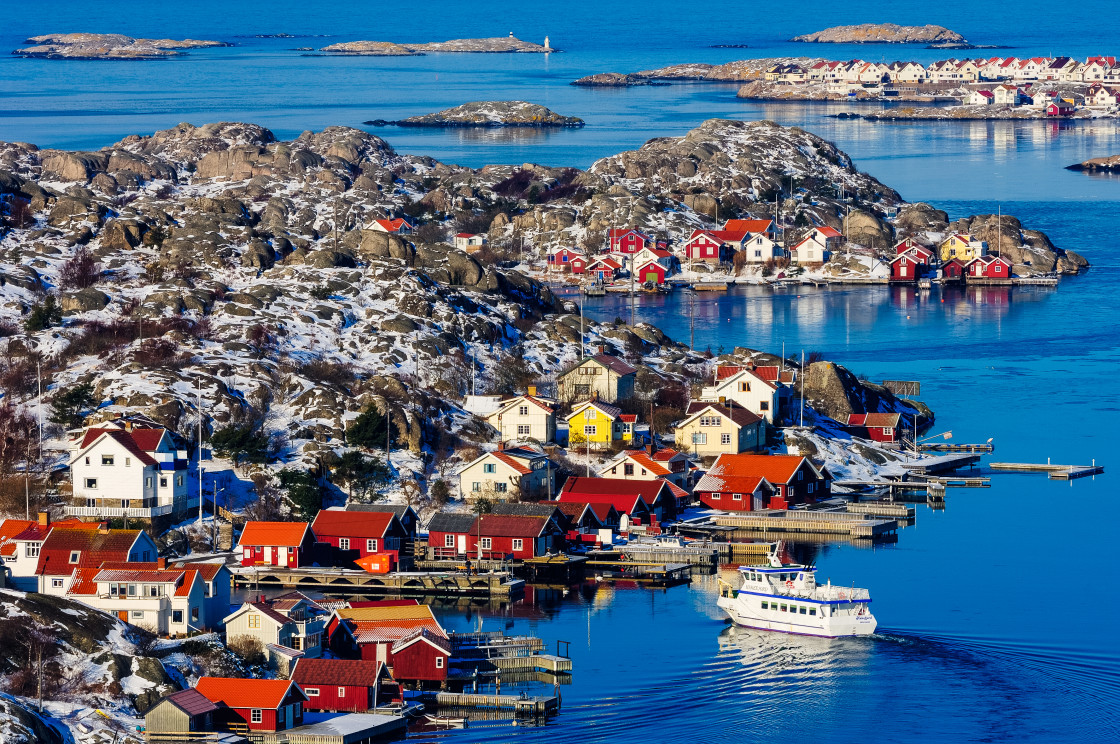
<point>812,610</point>
<point>804,610</point>
<point>765,605</point>
<point>784,609</point>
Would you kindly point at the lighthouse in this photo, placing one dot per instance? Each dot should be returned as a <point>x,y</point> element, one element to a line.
<point>546,46</point>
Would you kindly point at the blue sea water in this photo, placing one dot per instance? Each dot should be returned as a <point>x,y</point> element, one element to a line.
<point>997,616</point>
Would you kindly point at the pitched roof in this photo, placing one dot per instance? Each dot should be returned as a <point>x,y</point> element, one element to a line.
<point>618,232</point>
<point>450,522</point>
<point>384,613</point>
<point>425,635</point>
<point>829,232</point>
<point>191,701</point>
<point>262,607</point>
<point>710,483</point>
<point>93,548</point>
<point>739,416</point>
<point>339,522</point>
<point>620,493</point>
<point>124,438</point>
<point>751,226</point>
<point>641,457</point>
<point>206,570</point>
<point>774,468</point>
<point>340,672</point>
<point>510,461</point>
<point>82,582</point>
<point>509,525</point>
<point>9,528</point>
<point>607,360</point>
<point>510,402</point>
<point>139,575</point>
<point>399,509</point>
<point>393,225</point>
<point>278,534</point>
<point>886,420</point>
<point>664,454</point>
<point>612,412</point>
<point>390,631</point>
<point>526,508</point>
<point>248,693</point>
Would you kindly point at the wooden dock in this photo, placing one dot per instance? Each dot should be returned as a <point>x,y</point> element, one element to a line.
<point>1054,472</point>
<point>945,464</point>
<point>709,287</point>
<point>692,555</point>
<point>528,705</point>
<point>800,521</point>
<point>534,663</point>
<point>888,509</point>
<point>943,447</point>
<point>349,581</point>
<point>656,574</point>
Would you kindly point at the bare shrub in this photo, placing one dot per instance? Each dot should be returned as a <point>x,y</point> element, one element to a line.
<point>160,353</point>
<point>249,648</point>
<point>81,271</point>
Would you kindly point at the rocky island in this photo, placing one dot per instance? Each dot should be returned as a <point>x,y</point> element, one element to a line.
<point>882,33</point>
<point>488,114</point>
<point>495,45</point>
<point>108,46</point>
<point>1110,164</point>
<point>613,80</point>
<point>987,112</point>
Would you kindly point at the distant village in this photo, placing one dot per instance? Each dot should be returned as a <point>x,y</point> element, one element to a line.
<point>995,81</point>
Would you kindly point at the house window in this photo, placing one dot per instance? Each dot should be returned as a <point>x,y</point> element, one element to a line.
<point>523,410</point>
<point>153,590</point>
<point>137,614</point>
<point>449,540</point>
<point>194,614</point>
<point>765,605</point>
<point>744,387</point>
<point>485,543</point>
<point>800,475</point>
<point>178,480</point>
<point>255,716</point>
<point>147,483</point>
<point>342,692</point>
<point>522,429</point>
<point>518,543</point>
<point>501,487</point>
<point>476,486</point>
<point>32,550</point>
<point>132,590</point>
<point>297,643</point>
<point>764,405</point>
<point>628,469</point>
<point>128,462</point>
<point>725,438</point>
<point>177,616</point>
<point>311,691</point>
<point>254,621</point>
<point>91,483</point>
<point>371,546</point>
<point>699,437</point>
<point>163,483</point>
<point>439,662</point>
<point>75,555</point>
<point>489,468</point>
<point>590,429</point>
<point>343,543</point>
<point>106,459</point>
<point>737,497</point>
<point>56,583</point>
<point>809,488</point>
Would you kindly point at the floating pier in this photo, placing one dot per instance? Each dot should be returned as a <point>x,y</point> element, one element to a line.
<point>943,447</point>
<point>521,705</point>
<point>944,464</point>
<point>820,522</point>
<point>1054,472</point>
<point>349,581</point>
<point>656,574</point>
<point>881,509</point>
<point>699,555</point>
<point>709,287</point>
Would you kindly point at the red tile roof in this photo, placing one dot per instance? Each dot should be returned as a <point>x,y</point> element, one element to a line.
<point>728,483</point>
<point>751,226</point>
<point>248,693</point>
<point>278,534</point>
<point>629,418</point>
<point>774,468</point>
<point>9,528</point>
<point>618,232</point>
<point>393,225</point>
<point>620,493</point>
<point>511,462</point>
<point>82,583</point>
<point>829,232</point>
<point>390,631</point>
<point>643,459</point>
<point>423,634</point>
<point>886,420</point>
<point>342,523</point>
<point>93,547</point>
<point>124,438</point>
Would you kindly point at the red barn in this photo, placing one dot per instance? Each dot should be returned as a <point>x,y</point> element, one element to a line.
<point>878,427</point>
<point>651,271</point>
<point>348,685</point>
<point>275,544</point>
<point>353,535</point>
<point>261,704</point>
<point>794,478</point>
<point>628,240</point>
<point>406,637</point>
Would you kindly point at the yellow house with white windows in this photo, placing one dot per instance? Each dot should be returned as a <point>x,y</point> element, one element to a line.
<point>599,425</point>
<point>962,246</point>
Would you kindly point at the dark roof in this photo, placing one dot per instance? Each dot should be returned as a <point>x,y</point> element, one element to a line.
<point>607,360</point>
<point>191,701</point>
<point>509,525</point>
<point>451,522</point>
<point>525,509</point>
<point>738,414</point>
<point>399,509</point>
<point>125,439</point>
<point>621,493</point>
<point>341,672</point>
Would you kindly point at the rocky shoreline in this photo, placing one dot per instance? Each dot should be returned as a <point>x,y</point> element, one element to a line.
<point>495,45</point>
<point>488,114</point>
<point>86,46</point>
<point>882,33</point>
<point>614,80</point>
<point>1110,164</point>
<point>979,113</point>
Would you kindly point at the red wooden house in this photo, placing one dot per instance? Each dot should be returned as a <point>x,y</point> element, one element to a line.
<point>795,479</point>
<point>423,656</point>
<point>906,244</point>
<point>735,493</point>
<point>628,240</point>
<point>988,268</point>
<point>953,271</point>
<point>349,685</point>
<point>878,427</point>
<point>906,268</point>
<point>276,544</point>
<point>604,268</point>
<point>566,260</point>
<point>708,246</point>
<point>651,271</point>
<point>350,535</point>
<point>1059,109</point>
<point>406,637</point>
<point>639,499</point>
<point>261,704</point>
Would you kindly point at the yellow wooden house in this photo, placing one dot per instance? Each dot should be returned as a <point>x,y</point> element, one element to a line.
<point>599,425</point>
<point>962,246</point>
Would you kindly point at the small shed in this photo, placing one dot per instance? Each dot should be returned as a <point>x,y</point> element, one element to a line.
<point>182,712</point>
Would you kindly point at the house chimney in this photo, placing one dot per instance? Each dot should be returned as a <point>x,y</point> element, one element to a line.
<point>722,400</point>
<point>103,528</point>
<point>44,519</point>
<point>501,446</point>
<point>161,564</point>
<point>532,391</point>
<point>602,349</point>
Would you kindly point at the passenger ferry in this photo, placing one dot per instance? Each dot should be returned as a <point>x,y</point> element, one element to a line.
<point>786,597</point>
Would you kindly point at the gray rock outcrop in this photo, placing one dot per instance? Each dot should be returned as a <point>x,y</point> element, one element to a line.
<point>882,33</point>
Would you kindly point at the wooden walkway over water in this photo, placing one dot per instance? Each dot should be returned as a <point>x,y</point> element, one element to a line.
<point>1054,472</point>
<point>351,581</point>
<point>528,705</point>
<point>821,522</point>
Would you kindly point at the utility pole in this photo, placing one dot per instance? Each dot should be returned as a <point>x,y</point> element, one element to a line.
<point>582,346</point>
<point>39,375</point>
<point>27,483</point>
<point>802,387</point>
<point>200,468</point>
<point>692,320</point>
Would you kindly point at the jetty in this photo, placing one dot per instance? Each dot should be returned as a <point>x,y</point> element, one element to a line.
<point>1054,472</point>
<point>942,464</point>
<point>405,584</point>
<point>641,572</point>
<point>986,448</point>
<point>862,526</point>
<point>693,555</point>
<point>521,705</point>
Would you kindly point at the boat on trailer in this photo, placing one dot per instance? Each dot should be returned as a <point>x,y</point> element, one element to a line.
<point>786,597</point>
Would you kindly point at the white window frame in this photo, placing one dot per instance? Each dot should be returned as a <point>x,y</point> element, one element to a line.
<point>523,430</point>
<point>371,545</point>
<point>343,543</point>
<point>256,715</point>
<point>725,438</point>
<point>449,541</point>
<point>311,691</point>
<point>590,430</point>
<point>486,543</point>
<point>439,662</point>
<point>342,692</point>
<point>518,543</point>
<point>56,583</point>
<point>91,483</point>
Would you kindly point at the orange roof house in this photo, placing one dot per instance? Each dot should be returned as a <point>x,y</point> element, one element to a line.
<point>275,544</point>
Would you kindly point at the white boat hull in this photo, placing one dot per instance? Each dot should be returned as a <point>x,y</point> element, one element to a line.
<point>743,610</point>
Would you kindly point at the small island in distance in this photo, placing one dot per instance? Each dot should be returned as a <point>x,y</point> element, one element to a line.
<point>108,46</point>
<point>883,33</point>
<point>495,45</point>
<point>487,114</point>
